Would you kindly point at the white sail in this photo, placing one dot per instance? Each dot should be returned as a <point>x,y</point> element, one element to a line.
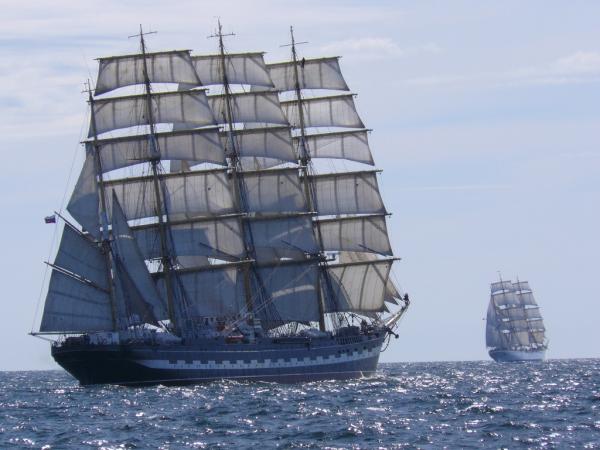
<point>79,255</point>
<point>532,313</point>
<point>72,305</point>
<point>277,190</point>
<point>199,146</point>
<point>521,286</point>
<point>526,298</point>
<point>348,193</point>
<point>283,237</point>
<point>163,67</point>
<point>516,313</point>
<point>332,111</point>
<point>127,253</point>
<point>210,292</point>
<point>391,292</point>
<point>220,239</point>
<point>189,194</point>
<point>493,338</point>
<point>272,142</point>
<point>321,73</point>
<point>500,286</point>
<point>188,109</point>
<point>359,287</point>
<point>85,199</point>
<point>518,325</point>
<point>292,290</point>
<point>249,107</point>
<point>240,68</point>
<point>520,339</point>
<point>254,163</point>
<point>358,234</point>
<point>539,337</point>
<point>517,316</point>
<point>351,145</point>
<point>506,299</point>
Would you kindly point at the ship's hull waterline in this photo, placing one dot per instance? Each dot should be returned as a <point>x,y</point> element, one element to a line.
<point>271,360</point>
<point>516,355</point>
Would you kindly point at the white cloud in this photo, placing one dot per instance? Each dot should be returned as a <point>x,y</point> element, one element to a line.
<point>382,46</point>
<point>578,67</point>
<point>374,48</point>
<point>580,62</point>
<point>467,187</point>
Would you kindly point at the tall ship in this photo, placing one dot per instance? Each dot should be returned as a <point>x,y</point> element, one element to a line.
<point>215,229</point>
<point>514,328</point>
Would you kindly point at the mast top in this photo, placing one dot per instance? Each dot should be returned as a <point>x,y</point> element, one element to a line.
<point>219,33</point>
<point>141,34</point>
<point>293,43</point>
<point>87,87</point>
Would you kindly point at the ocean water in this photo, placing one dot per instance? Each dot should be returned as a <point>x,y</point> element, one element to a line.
<point>555,404</point>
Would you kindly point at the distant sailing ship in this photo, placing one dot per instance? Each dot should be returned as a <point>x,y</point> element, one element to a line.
<point>208,245</point>
<point>515,329</point>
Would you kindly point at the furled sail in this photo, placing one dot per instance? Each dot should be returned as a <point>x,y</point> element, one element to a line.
<point>163,67</point>
<point>187,109</point>
<point>352,145</point>
<point>240,68</point>
<point>331,111</point>
<point>248,107</point>
<point>321,73</point>
<point>348,193</point>
<point>200,146</point>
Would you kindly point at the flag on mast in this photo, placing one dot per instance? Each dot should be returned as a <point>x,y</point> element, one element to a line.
<point>50,219</point>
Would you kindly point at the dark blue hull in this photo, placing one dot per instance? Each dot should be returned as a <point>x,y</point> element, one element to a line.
<point>289,360</point>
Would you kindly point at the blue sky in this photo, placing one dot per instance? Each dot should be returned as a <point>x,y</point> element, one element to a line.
<point>486,122</point>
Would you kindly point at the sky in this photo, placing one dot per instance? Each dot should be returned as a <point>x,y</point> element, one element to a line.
<point>485,118</point>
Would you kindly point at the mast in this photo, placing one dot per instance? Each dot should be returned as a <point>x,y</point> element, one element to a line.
<point>105,244</point>
<point>305,170</point>
<point>499,313</point>
<point>236,167</point>
<point>154,158</point>
<point>530,331</point>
